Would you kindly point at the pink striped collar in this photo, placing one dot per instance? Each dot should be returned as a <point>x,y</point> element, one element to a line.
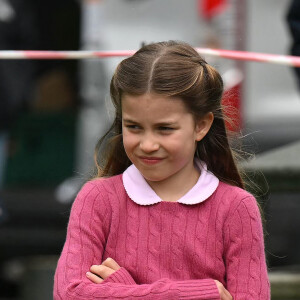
<point>141,193</point>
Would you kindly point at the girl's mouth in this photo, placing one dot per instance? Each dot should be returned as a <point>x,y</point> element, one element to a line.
<point>151,160</point>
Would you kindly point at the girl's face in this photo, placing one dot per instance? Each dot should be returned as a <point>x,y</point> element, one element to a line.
<point>160,136</point>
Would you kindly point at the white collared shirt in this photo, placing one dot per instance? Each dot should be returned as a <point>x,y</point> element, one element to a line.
<point>141,193</point>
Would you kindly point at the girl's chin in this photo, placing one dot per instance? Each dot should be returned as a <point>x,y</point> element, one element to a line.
<point>154,180</point>
<point>150,178</point>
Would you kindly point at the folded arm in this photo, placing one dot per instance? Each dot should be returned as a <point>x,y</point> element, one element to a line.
<point>87,231</point>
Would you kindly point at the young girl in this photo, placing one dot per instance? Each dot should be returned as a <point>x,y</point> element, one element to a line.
<point>168,216</point>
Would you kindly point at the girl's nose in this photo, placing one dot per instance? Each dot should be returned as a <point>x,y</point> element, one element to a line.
<point>148,144</point>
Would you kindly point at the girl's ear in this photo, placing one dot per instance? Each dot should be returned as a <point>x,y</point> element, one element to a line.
<point>203,125</point>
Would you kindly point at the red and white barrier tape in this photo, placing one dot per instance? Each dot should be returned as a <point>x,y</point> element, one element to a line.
<point>236,55</point>
<point>32,54</point>
<point>253,56</point>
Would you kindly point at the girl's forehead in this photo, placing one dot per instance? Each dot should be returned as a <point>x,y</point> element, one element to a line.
<point>154,109</point>
<point>152,103</point>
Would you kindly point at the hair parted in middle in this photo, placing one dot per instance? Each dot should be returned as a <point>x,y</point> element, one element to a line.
<point>171,69</point>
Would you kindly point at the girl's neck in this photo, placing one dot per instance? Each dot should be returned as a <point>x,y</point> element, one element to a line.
<point>176,186</point>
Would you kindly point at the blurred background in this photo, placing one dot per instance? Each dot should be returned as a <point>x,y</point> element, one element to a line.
<point>52,112</point>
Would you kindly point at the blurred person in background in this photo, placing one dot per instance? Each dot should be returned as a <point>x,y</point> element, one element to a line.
<point>92,119</point>
<point>18,32</point>
<point>293,20</point>
<point>225,22</point>
<point>33,93</point>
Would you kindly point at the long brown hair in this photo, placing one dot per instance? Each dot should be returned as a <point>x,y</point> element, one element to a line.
<point>171,69</point>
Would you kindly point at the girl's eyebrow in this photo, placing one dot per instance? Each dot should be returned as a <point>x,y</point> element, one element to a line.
<point>129,121</point>
<point>168,123</point>
<point>171,123</point>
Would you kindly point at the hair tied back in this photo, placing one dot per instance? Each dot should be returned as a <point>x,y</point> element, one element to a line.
<point>199,60</point>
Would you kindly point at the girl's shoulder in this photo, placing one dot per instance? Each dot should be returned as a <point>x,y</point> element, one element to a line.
<point>232,196</point>
<point>99,193</point>
<point>232,190</point>
<point>101,188</point>
<point>105,184</point>
<point>97,198</point>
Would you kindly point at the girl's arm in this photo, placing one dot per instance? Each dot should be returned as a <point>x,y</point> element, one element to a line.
<point>86,238</point>
<point>106,272</point>
<point>247,276</point>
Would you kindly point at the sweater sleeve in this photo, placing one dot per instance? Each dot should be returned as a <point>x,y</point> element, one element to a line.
<point>246,269</point>
<point>88,229</point>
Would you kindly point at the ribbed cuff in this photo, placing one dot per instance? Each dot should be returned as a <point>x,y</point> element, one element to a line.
<point>198,289</point>
<point>121,276</point>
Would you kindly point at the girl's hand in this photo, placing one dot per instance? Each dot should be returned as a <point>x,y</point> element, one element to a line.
<point>224,294</point>
<point>100,272</point>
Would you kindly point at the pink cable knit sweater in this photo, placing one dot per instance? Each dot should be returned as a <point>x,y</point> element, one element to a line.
<point>166,250</point>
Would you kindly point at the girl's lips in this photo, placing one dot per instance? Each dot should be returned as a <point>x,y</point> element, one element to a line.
<point>151,160</point>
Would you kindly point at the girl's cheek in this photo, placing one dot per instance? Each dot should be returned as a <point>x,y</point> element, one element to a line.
<point>130,141</point>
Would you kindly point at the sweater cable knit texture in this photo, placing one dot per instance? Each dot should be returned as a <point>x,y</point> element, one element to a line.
<point>167,250</point>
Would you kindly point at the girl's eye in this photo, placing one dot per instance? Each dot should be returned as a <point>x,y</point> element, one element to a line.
<point>163,128</point>
<point>133,127</point>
